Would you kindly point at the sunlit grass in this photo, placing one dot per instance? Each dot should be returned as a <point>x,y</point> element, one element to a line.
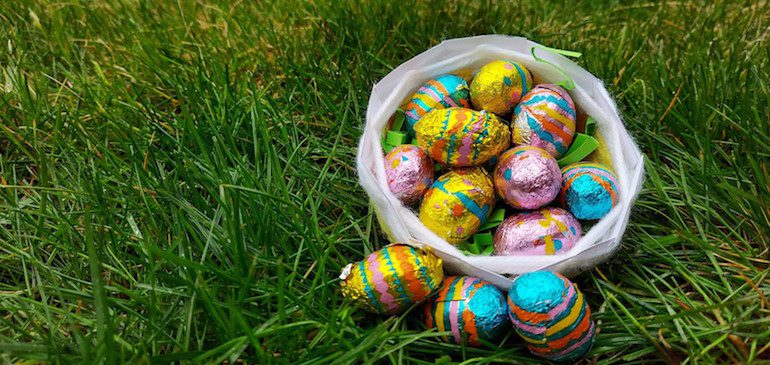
<point>178,179</point>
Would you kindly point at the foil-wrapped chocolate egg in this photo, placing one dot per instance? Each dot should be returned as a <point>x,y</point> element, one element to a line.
<point>391,279</point>
<point>545,118</point>
<point>527,177</point>
<point>461,137</point>
<point>458,203</point>
<point>547,231</point>
<point>470,308</point>
<point>551,315</point>
<point>445,91</point>
<point>499,86</point>
<point>588,190</point>
<point>409,172</point>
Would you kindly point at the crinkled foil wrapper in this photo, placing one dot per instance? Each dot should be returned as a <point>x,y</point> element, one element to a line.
<point>445,91</point>
<point>548,231</point>
<point>551,315</point>
<point>458,203</point>
<point>527,177</point>
<point>499,86</point>
<point>461,137</point>
<point>589,190</point>
<point>545,118</point>
<point>470,308</point>
<point>409,172</point>
<point>391,279</point>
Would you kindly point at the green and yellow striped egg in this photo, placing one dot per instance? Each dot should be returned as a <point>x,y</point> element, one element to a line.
<point>391,279</point>
<point>458,203</point>
<point>461,137</point>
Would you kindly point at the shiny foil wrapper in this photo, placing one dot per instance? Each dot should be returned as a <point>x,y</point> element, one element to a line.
<point>409,172</point>
<point>548,231</point>
<point>527,177</point>
<point>470,308</point>
<point>461,137</point>
<point>545,118</point>
<point>458,203</point>
<point>551,315</point>
<point>445,91</point>
<point>392,279</point>
<point>588,190</point>
<point>499,86</point>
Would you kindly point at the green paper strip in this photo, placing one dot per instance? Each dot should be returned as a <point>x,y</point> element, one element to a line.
<point>414,142</point>
<point>398,120</point>
<point>395,138</point>
<point>483,239</point>
<point>590,126</point>
<point>488,251</point>
<point>494,220</point>
<point>581,147</point>
<point>567,83</point>
<point>563,52</point>
<point>483,244</point>
<point>469,248</point>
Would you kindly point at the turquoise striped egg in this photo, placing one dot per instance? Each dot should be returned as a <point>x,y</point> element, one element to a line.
<point>545,118</point>
<point>588,190</point>
<point>445,91</point>
<point>470,308</point>
<point>551,315</point>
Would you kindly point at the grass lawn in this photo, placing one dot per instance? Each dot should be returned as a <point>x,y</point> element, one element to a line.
<point>177,179</point>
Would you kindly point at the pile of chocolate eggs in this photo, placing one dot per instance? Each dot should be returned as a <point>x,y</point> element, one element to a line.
<point>545,309</point>
<point>495,151</point>
<point>496,143</point>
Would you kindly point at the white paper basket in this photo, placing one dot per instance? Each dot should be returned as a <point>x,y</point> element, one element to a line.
<point>401,224</point>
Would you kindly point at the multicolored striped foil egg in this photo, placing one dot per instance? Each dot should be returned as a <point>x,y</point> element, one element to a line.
<point>409,172</point>
<point>461,137</point>
<point>527,177</point>
<point>391,279</point>
<point>551,315</point>
<point>458,203</point>
<point>499,86</point>
<point>548,231</point>
<point>545,118</point>
<point>442,92</point>
<point>588,190</point>
<point>470,308</point>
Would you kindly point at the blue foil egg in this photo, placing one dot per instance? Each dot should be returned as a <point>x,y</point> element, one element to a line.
<point>470,308</point>
<point>588,190</point>
<point>551,315</point>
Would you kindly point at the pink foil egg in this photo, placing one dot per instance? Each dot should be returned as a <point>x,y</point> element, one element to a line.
<point>547,231</point>
<point>527,177</point>
<point>409,172</point>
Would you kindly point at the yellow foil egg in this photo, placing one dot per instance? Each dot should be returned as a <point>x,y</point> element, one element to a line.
<point>392,278</point>
<point>458,203</point>
<point>499,86</point>
<point>461,137</point>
